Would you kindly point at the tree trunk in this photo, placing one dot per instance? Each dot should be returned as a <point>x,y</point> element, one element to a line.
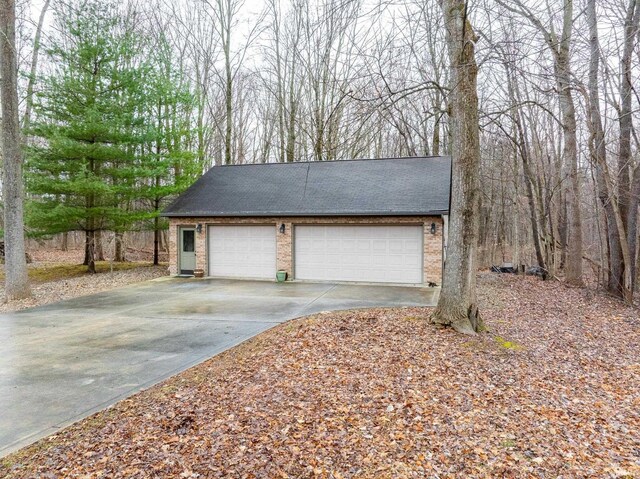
<point>280,100</point>
<point>629,180</point>
<point>457,305</point>
<point>90,252</point>
<point>293,107</point>
<point>291,127</point>
<point>436,137</point>
<point>98,246</point>
<point>620,282</point>
<point>65,242</point>
<point>156,238</point>
<point>120,254</point>
<point>537,227</point>
<point>16,278</point>
<point>226,33</point>
<point>87,241</point>
<point>562,228</point>
<point>573,270</point>
<point>632,232</point>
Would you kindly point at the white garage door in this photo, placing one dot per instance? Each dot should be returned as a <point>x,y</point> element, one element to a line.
<point>380,254</point>
<point>242,251</point>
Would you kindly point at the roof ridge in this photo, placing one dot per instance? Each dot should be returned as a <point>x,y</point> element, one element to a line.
<point>336,161</point>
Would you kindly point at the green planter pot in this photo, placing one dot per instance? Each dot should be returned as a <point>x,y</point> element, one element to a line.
<point>281,276</point>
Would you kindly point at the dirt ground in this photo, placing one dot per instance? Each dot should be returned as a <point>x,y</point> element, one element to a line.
<point>552,391</point>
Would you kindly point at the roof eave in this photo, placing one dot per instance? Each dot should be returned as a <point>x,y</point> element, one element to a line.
<point>263,214</point>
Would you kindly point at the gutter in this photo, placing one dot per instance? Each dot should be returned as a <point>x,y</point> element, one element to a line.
<point>298,214</point>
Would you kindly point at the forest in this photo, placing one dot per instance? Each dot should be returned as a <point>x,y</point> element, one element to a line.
<point>123,104</point>
<point>529,111</point>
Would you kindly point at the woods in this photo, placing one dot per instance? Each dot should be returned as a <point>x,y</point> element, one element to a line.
<point>158,92</point>
<point>214,290</point>
<point>103,140</point>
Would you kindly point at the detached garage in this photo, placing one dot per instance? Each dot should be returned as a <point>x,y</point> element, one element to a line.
<point>373,221</point>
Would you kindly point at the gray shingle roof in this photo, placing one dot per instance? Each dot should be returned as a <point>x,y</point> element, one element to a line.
<point>386,187</point>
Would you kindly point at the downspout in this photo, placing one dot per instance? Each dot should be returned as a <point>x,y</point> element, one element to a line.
<point>445,239</point>
<point>445,221</point>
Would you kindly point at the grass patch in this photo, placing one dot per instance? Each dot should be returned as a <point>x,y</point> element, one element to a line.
<point>54,272</point>
<point>508,344</point>
<point>415,318</point>
<point>509,443</point>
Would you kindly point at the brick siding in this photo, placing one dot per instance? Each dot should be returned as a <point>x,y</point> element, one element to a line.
<point>284,242</point>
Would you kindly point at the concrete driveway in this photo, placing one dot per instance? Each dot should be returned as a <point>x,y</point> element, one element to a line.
<point>64,361</point>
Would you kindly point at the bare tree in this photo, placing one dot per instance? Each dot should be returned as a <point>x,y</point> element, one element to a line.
<point>560,47</point>
<point>629,178</point>
<point>281,76</point>
<point>338,79</point>
<point>619,251</point>
<point>520,138</point>
<point>34,65</point>
<point>224,15</point>
<point>225,12</point>
<point>457,305</point>
<point>16,280</point>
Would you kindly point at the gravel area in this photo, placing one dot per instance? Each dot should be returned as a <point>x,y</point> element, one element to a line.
<point>58,290</point>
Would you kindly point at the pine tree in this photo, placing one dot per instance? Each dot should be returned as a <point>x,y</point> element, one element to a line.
<point>89,160</point>
<point>173,167</point>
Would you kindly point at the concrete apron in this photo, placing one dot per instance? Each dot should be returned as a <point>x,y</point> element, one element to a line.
<point>62,362</point>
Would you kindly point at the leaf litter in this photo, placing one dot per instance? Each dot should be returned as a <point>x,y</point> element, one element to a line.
<point>551,391</point>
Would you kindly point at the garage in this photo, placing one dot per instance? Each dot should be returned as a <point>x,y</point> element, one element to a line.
<point>242,251</point>
<point>362,220</point>
<point>368,253</point>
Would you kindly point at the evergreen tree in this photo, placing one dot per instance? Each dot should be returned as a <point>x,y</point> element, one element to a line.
<point>88,166</point>
<point>173,168</point>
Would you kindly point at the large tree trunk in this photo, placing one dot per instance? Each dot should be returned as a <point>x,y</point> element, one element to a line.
<point>632,232</point>
<point>16,279</point>
<point>573,269</point>
<point>457,305</point>
<point>629,179</point>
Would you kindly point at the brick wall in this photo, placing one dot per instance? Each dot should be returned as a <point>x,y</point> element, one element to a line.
<point>284,242</point>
